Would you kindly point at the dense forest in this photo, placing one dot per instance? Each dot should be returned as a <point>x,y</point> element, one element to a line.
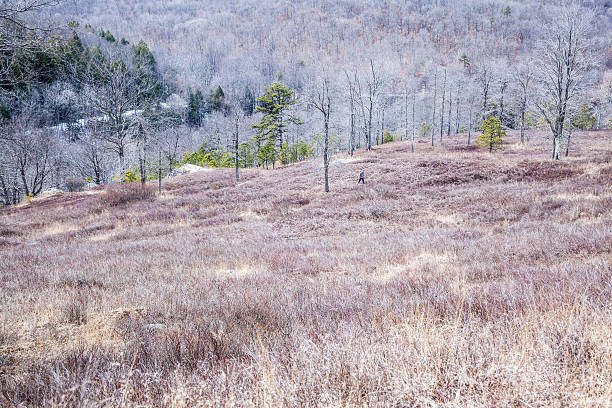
<point>96,92</point>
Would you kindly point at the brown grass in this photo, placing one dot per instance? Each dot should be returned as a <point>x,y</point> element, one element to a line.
<point>453,277</point>
<point>119,194</point>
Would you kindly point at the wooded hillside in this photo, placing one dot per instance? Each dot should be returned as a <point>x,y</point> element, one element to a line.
<point>131,88</point>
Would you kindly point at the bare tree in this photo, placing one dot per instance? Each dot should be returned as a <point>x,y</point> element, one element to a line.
<point>322,102</point>
<point>374,84</point>
<point>457,117</point>
<point>572,110</point>
<point>31,151</point>
<point>171,143</point>
<point>91,159</point>
<point>523,76</point>
<point>433,116</point>
<point>114,93</point>
<point>413,119</point>
<point>237,116</point>
<point>485,78</point>
<point>382,109</point>
<point>565,60</point>
<point>405,111</point>
<point>13,10</point>
<point>10,190</point>
<point>471,102</point>
<point>442,107</point>
<point>470,96</point>
<point>450,110</point>
<point>502,88</point>
<point>352,96</point>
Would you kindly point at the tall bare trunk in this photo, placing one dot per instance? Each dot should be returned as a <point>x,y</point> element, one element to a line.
<point>236,149</point>
<point>457,114</point>
<point>433,116</point>
<point>501,102</point>
<point>159,173</point>
<point>382,126</point>
<point>405,113</point>
<point>470,122</point>
<point>450,110</point>
<point>413,103</point>
<point>370,125</point>
<point>325,154</point>
<point>352,141</point>
<point>442,107</point>
<point>522,123</point>
<point>569,137</point>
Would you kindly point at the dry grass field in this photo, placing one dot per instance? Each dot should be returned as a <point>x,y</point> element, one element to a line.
<point>452,278</point>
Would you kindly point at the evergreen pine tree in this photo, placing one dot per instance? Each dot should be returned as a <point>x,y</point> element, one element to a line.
<point>492,134</point>
<point>146,69</point>
<point>216,101</point>
<point>584,119</point>
<point>195,108</point>
<point>273,104</point>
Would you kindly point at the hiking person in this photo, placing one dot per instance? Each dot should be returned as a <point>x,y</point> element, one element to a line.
<point>361,177</point>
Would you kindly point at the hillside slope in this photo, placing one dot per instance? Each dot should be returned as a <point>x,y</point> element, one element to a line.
<point>453,276</point>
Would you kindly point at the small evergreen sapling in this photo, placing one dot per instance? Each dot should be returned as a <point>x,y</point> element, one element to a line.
<point>492,134</point>
<point>584,119</point>
<point>387,137</point>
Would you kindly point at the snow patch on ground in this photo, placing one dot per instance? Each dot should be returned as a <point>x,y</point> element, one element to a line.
<point>186,169</point>
<point>343,161</point>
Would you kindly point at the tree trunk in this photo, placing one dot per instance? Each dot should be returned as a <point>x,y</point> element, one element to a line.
<point>325,154</point>
<point>433,116</point>
<point>159,173</point>
<point>522,123</point>
<point>142,166</point>
<point>24,181</point>
<point>370,125</point>
<point>501,102</point>
<point>457,115</point>
<point>413,103</point>
<point>120,152</point>
<point>569,137</point>
<point>450,110</point>
<point>405,113</point>
<point>352,141</point>
<point>382,127</point>
<point>557,148</point>
<point>442,107</point>
<point>5,192</point>
<point>323,104</point>
<point>280,135</point>
<point>485,94</point>
<point>236,150</point>
<point>470,122</point>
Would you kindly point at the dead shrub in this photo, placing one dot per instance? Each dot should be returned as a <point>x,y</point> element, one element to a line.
<point>81,283</point>
<point>529,171</point>
<point>75,311</point>
<point>572,350</point>
<point>463,148</point>
<point>378,210</point>
<point>8,232</point>
<point>74,184</point>
<point>386,192</point>
<point>125,193</point>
